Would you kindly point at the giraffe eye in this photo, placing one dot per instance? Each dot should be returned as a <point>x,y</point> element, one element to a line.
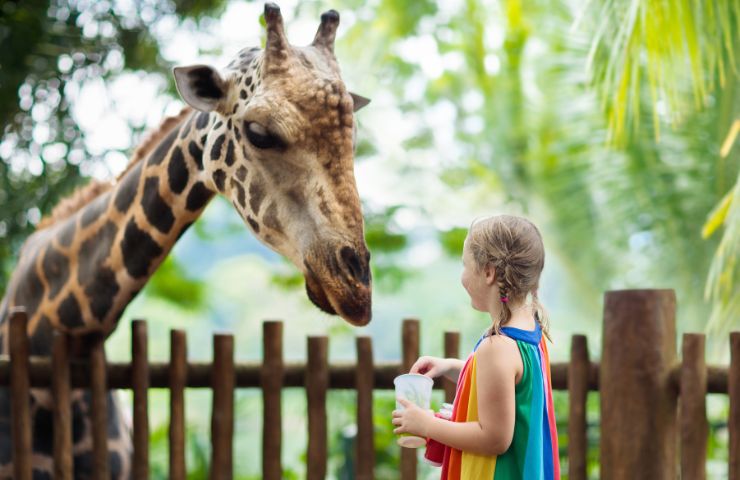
<point>260,137</point>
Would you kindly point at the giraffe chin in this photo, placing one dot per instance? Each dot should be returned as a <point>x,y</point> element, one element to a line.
<point>356,311</point>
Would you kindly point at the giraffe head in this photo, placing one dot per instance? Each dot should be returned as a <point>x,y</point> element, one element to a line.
<point>277,127</point>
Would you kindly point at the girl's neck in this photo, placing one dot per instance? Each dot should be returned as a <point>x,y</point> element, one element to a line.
<point>522,317</point>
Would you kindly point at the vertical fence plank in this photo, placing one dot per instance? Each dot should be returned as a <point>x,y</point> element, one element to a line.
<point>317,383</point>
<point>271,378</point>
<point>692,408</point>
<point>99,407</point>
<point>140,387</point>
<point>452,350</point>
<point>637,400</point>
<point>178,378</point>
<point>19,395</point>
<point>222,416</point>
<point>60,391</point>
<point>734,420</point>
<point>364,383</point>
<point>410,352</point>
<point>578,370</point>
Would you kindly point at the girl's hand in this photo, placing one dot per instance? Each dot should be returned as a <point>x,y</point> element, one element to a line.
<point>412,419</point>
<point>431,367</point>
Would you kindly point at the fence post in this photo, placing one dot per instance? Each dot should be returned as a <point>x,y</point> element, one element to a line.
<point>222,415</point>
<point>177,380</point>
<point>317,383</point>
<point>60,392</point>
<point>692,408</point>
<point>452,350</point>
<point>364,382</point>
<point>19,394</point>
<point>578,371</point>
<point>271,378</point>
<point>140,387</point>
<point>99,406</point>
<point>734,391</point>
<point>410,352</point>
<point>638,406</point>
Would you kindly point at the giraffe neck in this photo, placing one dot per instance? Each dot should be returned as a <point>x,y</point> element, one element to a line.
<point>80,274</point>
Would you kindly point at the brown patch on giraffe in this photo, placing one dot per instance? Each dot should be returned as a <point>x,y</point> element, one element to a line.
<point>241,173</point>
<point>271,220</point>
<point>55,266</point>
<point>239,193</point>
<point>84,195</point>
<point>256,195</point>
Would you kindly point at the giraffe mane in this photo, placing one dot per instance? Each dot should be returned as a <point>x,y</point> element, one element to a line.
<point>85,194</point>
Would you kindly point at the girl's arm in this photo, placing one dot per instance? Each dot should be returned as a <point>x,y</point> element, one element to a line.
<point>434,367</point>
<point>497,363</point>
<point>453,369</point>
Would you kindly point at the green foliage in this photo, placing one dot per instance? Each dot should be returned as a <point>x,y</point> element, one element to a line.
<point>171,283</point>
<point>453,241</point>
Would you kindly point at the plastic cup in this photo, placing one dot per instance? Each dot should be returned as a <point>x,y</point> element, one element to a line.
<point>418,390</point>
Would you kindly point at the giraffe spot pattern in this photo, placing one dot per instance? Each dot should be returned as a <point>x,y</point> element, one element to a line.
<point>67,232</point>
<point>230,154</point>
<point>101,292</point>
<point>95,251</point>
<point>216,148</point>
<point>43,425</point>
<point>243,94</point>
<point>41,475</point>
<point>198,197</point>
<point>239,193</point>
<point>157,211</point>
<point>186,127</point>
<point>56,270</point>
<point>201,121</point>
<point>139,250</point>
<point>252,223</point>
<point>219,178</point>
<point>196,153</point>
<point>241,173</point>
<point>271,220</point>
<point>177,171</point>
<point>40,340</point>
<point>30,290</point>
<point>94,210</point>
<point>127,188</point>
<point>256,195</point>
<point>160,152</point>
<point>69,312</point>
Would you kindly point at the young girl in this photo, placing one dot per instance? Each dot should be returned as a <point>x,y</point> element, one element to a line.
<point>503,424</point>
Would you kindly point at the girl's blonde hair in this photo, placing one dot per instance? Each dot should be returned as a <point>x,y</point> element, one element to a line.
<point>513,247</point>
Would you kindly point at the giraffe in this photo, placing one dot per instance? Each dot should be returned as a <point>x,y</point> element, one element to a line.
<point>273,133</point>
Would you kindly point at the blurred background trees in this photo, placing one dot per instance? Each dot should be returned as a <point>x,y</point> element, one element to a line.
<point>602,121</point>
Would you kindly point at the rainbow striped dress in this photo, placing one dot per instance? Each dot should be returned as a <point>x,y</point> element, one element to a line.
<point>533,453</point>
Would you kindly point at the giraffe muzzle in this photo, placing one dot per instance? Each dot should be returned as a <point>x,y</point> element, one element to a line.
<point>340,284</point>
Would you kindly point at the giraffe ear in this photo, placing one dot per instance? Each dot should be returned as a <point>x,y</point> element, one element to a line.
<point>200,86</point>
<point>359,101</point>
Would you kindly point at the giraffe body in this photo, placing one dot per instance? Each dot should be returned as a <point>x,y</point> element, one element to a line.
<point>274,133</point>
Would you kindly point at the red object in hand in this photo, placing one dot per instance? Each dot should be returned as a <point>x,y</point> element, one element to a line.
<point>435,451</point>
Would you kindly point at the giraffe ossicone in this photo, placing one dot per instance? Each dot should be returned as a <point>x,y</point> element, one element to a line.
<point>274,133</point>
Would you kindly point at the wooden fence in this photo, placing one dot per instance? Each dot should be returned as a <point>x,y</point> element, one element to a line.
<point>651,404</point>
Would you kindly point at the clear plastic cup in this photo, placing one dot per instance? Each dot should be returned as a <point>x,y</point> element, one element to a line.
<point>418,390</point>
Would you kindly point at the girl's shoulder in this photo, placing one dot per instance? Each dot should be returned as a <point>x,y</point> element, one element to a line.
<point>498,348</point>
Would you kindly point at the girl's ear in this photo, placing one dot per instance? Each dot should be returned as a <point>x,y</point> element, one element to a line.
<point>490,273</point>
<point>200,86</point>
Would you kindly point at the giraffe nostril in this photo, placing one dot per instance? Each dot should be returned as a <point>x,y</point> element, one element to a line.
<point>355,265</point>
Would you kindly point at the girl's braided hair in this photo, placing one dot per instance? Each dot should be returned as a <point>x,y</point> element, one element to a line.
<point>513,247</point>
